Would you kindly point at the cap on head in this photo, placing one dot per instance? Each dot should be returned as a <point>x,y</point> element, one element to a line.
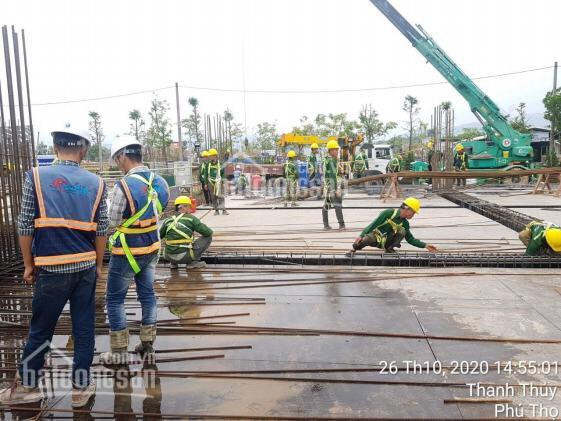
<point>125,144</point>
<point>182,200</point>
<point>413,203</point>
<point>332,144</point>
<point>314,146</point>
<point>69,137</point>
<point>291,154</point>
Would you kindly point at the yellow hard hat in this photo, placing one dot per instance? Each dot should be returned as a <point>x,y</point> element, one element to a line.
<point>430,145</point>
<point>553,238</point>
<point>459,147</point>
<point>314,146</point>
<point>291,154</point>
<point>212,152</point>
<point>204,153</point>
<point>182,200</point>
<point>413,203</point>
<point>332,144</point>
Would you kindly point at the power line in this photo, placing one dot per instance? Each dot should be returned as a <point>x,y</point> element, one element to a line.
<point>264,91</point>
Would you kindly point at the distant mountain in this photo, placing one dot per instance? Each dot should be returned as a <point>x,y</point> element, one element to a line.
<point>535,120</point>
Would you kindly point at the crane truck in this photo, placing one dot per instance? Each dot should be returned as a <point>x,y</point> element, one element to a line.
<point>502,146</point>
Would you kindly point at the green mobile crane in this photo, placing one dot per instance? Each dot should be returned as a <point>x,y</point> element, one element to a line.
<point>503,146</point>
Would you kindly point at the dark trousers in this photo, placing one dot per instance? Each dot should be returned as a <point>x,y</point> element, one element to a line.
<point>393,240</point>
<point>216,197</point>
<point>336,202</point>
<point>200,245</point>
<point>206,195</point>
<point>52,292</point>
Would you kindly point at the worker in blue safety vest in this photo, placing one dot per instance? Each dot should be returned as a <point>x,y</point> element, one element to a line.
<point>139,199</point>
<point>62,229</point>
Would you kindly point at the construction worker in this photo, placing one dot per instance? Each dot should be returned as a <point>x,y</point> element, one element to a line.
<point>202,174</point>
<point>360,163</point>
<point>460,162</point>
<point>314,168</point>
<point>241,184</point>
<point>541,238</point>
<point>332,188</point>
<point>214,173</point>
<point>390,227</point>
<point>62,230</point>
<point>139,199</point>
<point>291,177</point>
<point>178,233</point>
<point>395,164</point>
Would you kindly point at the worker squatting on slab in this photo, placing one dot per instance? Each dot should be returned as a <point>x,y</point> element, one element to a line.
<point>332,186</point>
<point>139,199</point>
<point>541,239</point>
<point>62,229</point>
<point>388,230</point>
<point>178,233</point>
<point>214,174</point>
<point>291,177</point>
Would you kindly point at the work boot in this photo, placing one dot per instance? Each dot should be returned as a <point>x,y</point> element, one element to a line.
<point>17,393</point>
<point>390,250</point>
<point>350,253</point>
<point>173,266</point>
<point>342,227</point>
<point>145,347</point>
<point>225,212</point>
<point>119,343</point>
<point>80,397</point>
<point>327,227</point>
<point>196,264</point>
<point>217,212</point>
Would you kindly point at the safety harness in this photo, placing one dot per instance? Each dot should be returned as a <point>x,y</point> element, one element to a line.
<point>216,180</point>
<point>290,169</point>
<point>360,163</point>
<point>124,228</point>
<point>397,229</point>
<point>545,225</point>
<point>186,241</point>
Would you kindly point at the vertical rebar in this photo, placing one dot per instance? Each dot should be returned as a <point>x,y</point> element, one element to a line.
<point>33,157</point>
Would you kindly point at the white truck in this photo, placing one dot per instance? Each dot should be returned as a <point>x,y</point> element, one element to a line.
<point>379,157</point>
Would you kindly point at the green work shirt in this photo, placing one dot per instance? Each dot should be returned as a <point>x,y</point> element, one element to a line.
<point>330,172</point>
<point>202,172</point>
<point>290,169</point>
<point>386,228</point>
<point>312,164</point>
<point>537,245</point>
<point>242,181</point>
<point>395,164</point>
<point>188,224</point>
<point>211,171</point>
<point>360,162</point>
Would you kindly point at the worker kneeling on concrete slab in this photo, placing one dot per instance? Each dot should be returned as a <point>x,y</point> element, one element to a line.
<point>178,233</point>
<point>390,228</point>
<point>541,239</point>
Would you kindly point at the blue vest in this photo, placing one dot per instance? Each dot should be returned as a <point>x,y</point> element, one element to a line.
<point>67,199</point>
<point>136,193</point>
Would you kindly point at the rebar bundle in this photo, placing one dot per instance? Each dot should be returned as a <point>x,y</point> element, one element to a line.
<point>17,143</point>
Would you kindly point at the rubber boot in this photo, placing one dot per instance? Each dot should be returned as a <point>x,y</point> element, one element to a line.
<point>145,348</point>
<point>325,217</point>
<point>119,343</point>
<point>339,215</point>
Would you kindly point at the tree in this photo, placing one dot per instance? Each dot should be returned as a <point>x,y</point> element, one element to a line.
<point>520,121</point>
<point>137,124</point>
<point>266,135</point>
<point>371,125</point>
<point>93,153</point>
<point>96,133</point>
<point>306,127</point>
<point>552,103</point>
<point>470,133</point>
<point>409,106</point>
<point>193,122</point>
<point>159,132</point>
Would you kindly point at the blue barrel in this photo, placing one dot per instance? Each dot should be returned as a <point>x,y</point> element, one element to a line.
<point>303,174</point>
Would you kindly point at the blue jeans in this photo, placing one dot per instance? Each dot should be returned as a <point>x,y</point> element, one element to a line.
<point>120,275</point>
<point>52,292</point>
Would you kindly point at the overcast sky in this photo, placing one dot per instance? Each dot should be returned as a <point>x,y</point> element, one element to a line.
<point>83,49</point>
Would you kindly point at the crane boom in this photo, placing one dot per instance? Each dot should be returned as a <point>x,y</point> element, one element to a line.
<point>504,145</point>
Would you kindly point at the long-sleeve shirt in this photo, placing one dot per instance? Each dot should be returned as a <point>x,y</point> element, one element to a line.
<point>331,172</point>
<point>460,161</point>
<point>188,224</point>
<point>384,227</point>
<point>290,169</point>
<point>537,245</point>
<point>26,225</point>
<point>360,162</point>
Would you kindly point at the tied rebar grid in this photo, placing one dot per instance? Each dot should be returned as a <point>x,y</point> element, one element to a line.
<point>509,218</point>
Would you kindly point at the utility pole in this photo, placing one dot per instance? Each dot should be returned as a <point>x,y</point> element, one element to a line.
<point>180,143</point>
<point>551,133</point>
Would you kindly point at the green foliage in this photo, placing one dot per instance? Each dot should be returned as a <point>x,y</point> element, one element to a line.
<point>520,121</point>
<point>137,125</point>
<point>93,153</point>
<point>409,106</point>
<point>193,123</point>
<point>552,103</point>
<point>159,132</point>
<point>470,133</point>
<point>96,133</point>
<point>408,158</point>
<point>551,159</point>
<point>371,126</point>
<point>266,136</point>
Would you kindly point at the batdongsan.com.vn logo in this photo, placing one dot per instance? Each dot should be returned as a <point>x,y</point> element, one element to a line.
<point>62,185</point>
<point>58,379</point>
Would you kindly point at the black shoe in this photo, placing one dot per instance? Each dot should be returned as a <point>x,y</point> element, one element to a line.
<point>350,253</point>
<point>326,227</point>
<point>225,212</point>
<point>390,250</point>
<point>342,227</point>
<point>217,212</point>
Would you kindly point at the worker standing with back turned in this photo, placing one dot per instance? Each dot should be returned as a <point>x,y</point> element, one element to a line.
<point>360,163</point>
<point>291,177</point>
<point>213,177</point>
<point>460,162</point>
<point>332,186</point>
<point>62,230</point>
<point>541,239</point>
<point>202,176</point>
<point>178,232</point>
<point>388,230</point>
<point>314,169</point>
<point>139,198</point>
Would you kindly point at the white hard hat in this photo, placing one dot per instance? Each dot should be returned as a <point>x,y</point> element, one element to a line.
<point>122,142</point>
<point>81,133</point>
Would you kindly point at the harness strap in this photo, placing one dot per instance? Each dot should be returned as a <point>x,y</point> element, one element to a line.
<point>186,241</point>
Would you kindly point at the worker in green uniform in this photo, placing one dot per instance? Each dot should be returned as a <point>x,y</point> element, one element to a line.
<point>541,239</point>
<point>214,174</point>
<point>360,163</point>
<point>460,162</point>
<point>395,164</point>
<point>178,232</point>
<point>332,188</point>
<point>291,177</point>
<point>388,230</point>
<point>202,176</point>
<point>314,169</point>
